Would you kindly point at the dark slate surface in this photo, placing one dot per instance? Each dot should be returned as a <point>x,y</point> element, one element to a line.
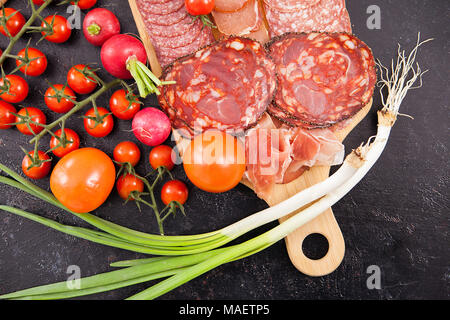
<point>396,218</point>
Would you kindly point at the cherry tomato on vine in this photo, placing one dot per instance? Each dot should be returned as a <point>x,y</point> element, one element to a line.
<point>162,156</point>
<point>55,100</point>
<point>84,4</point>
<point>36,172</point>
<point>61,30</point>
<point>33,114</point>
<point>15,21</point>
<point>102,129</point>
<point>37,62</point>
<point>214,161</point>
<point>199,7</point>
<point>123,106</point>
<point>15,88</point>
<point>127,151</point>
<point>38,2</point>
<point>6,115</point>
<point>127,184</point>
<point>73,142</point>
<point>174,190</point>
<point>78,81</point>
<point>83,179</point>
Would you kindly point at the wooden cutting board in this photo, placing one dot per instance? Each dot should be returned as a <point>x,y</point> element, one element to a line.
<point>325,224</point>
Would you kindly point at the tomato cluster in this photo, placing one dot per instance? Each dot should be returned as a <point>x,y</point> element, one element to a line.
<point>82,178</point>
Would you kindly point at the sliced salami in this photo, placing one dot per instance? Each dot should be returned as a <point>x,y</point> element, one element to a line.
<point>322,78</point>
<point>290,5</point>
<point>151,18</point>
<point>180,40</point>
<point>225,86</point>
<point>170,31</point>
<point>325,16</point>
<point>229,5</point>
<point>240,22</point>
<point>160,8</point>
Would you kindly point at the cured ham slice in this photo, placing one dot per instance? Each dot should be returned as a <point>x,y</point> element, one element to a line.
<point>241,22</point>
<point>268,156</point>
<point>229,5</point>
<point>281,154</point>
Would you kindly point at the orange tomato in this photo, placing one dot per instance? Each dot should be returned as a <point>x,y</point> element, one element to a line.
<point>83,179</point>
<point>214,161</point>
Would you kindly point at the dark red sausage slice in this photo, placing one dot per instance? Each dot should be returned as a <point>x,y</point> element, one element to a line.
<point>322,78</point>
<point>225,86</point>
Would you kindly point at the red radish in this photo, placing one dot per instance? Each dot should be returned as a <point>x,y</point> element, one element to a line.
<point>125,57</point>
<point>151,126</point>
<point>118,52</point>
<point>99,25</point>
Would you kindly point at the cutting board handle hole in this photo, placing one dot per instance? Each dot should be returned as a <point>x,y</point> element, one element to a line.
<point>315,246</point>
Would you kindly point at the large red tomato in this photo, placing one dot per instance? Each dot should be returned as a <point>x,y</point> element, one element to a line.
<point>214,161</point>
<point>83,179</point>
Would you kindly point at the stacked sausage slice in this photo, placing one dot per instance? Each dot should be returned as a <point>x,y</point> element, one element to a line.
<point>171,30</point>
<point>306,16</point>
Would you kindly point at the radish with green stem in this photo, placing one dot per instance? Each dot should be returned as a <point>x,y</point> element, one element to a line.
<point>124,57</point>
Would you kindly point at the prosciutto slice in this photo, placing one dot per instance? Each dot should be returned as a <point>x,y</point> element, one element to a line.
<point>279,154</point>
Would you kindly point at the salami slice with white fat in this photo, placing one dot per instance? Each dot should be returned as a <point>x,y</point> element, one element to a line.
<point>322,78</point>
<point>172,31</point>
<point>164,20</point>
<point>178,40</point>
<point>324,16</point>
<point>181,27</point>
<point>160,8</point>
<point>240,22</point>
<point>225,86</point>
<point>290,5</point>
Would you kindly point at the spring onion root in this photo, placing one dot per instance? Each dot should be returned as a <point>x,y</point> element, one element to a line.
<point>198,253</point>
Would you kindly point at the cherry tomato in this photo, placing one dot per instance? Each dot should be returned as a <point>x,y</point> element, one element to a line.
<point>38,2</point>
<point>61,30</point>
<point>127,151</point>
<point>37,62</point>
<point>84,4</point>
<point>38,172</point>
<point>214,161</point>
<point>98,130</point>
<point>174,190</point>
<point>73,142</point>
<point>6,115</point>
<point>15,21</point>
<point>34,114</point>
<point>122,106</point>
<point>18,88</point>
<point>83,179</point>
<point>199,7</point>
<point>127,184</point>
<point>56,102</point>
<point>78,81</point>
<point>162,156</point>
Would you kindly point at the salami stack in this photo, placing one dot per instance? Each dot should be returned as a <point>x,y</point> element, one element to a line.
<point>225,86</point>
<point>306,16</point>
<point>322,78</point>
<point>171,30</point>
